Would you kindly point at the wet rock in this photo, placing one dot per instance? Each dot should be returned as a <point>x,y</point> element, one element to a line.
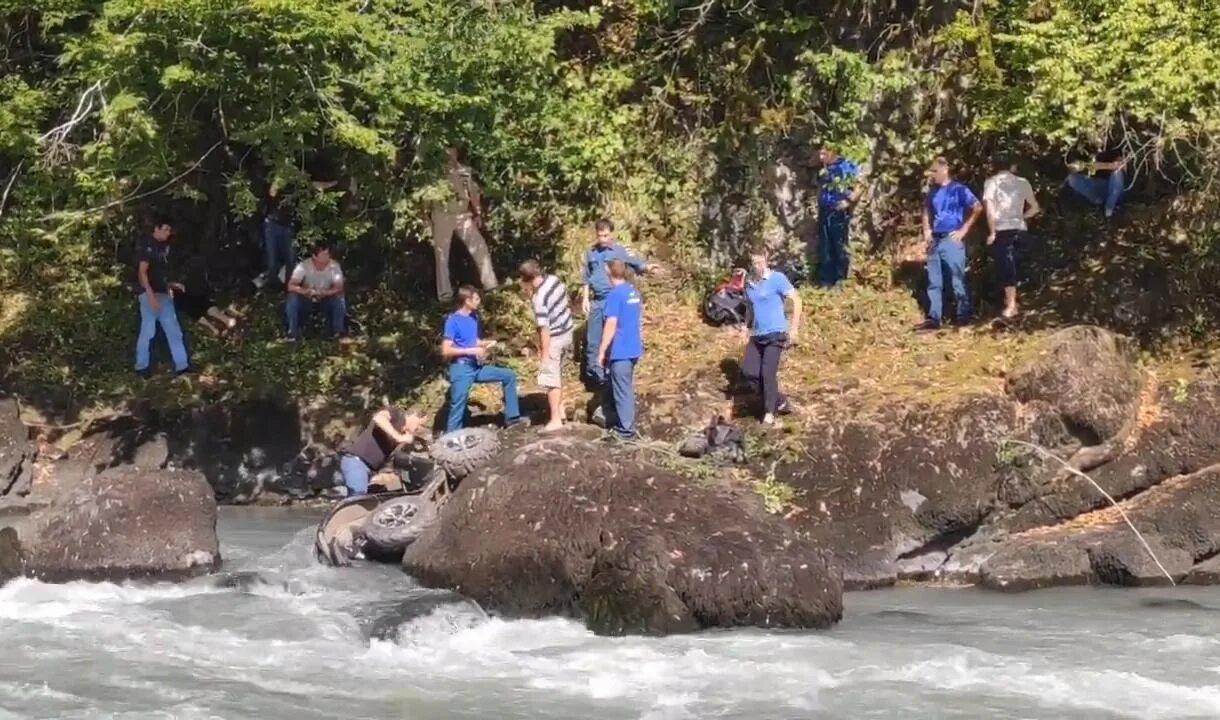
<point>1180,520</point>
<point>121,523</point>
<point>16,451</point>
<point>909,484</point>
<point>1090,375</point>
<point>1033,565</point>
<point>575,527</point>
<point>1205,573</point>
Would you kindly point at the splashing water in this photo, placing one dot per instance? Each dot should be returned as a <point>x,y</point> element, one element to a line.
<point>279,636</point>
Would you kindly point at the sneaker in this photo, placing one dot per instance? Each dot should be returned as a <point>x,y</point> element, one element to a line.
<point>768,420</point>
<point>145,374</point>
<point>927,326</point>
<point>291,338</point>
<point>598,417</point>
<point>785,407</point>
<point>260,281</point>
<point>519,421</point>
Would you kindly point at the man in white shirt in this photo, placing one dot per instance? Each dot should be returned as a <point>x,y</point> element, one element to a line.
<point>316,284</point>
<point>1010,201</point>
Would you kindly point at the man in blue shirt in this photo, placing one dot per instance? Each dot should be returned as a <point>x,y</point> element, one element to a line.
<point>596,286</point>
<point>621,346</point>
<point>950,211</point>
<point>838,190</point>
<point>465,352</point>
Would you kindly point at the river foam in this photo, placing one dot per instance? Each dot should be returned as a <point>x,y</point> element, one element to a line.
<point>278,636</point>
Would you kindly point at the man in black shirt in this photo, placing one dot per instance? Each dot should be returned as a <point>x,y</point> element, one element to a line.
<point>1103,181</point>
<point>365,454</point>
<point>156,301</point>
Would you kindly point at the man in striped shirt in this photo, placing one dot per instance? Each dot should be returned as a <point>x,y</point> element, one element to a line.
<point>549,298</point>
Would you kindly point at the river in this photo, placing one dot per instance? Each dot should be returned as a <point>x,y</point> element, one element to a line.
<point>277,636</point>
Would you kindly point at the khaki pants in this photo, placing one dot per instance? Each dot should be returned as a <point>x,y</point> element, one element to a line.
<point>444,227</point>
<point>550,369</point>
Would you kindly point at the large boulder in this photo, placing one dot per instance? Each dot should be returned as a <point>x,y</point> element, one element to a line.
<point>575,527</point>
<point>16,451</point>
<point>1090,375</point>
<point>124,522</point>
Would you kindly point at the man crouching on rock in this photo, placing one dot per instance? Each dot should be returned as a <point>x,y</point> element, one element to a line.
<point>361,457</point>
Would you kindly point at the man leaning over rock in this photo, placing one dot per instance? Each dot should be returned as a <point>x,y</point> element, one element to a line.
<point>364,455</point>
<point>549,298</point>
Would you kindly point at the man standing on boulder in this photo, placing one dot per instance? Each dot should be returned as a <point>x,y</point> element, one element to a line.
<point>1010,201</point>
<point>549,297</point>
<point>838,191</point>
<point>153,291</point>
<point>950,211</point>
<point>364,455</point>
<point>466,352</point>
<point>622,345</point>
<point>595,290</point>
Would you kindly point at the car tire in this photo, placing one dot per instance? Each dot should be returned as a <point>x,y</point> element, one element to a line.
<point>460,452</point>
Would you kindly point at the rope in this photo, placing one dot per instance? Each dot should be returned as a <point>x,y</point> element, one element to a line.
<point>1048,454</point>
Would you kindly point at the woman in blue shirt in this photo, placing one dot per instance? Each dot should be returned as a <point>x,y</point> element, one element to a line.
<point>769,332</point>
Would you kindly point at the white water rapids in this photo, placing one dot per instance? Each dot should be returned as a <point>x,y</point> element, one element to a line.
<point>284,638</point>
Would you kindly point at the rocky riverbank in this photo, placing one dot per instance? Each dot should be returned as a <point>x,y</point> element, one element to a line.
<point>984,490</point>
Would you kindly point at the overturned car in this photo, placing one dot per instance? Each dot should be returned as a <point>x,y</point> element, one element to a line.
<point>408,498</point>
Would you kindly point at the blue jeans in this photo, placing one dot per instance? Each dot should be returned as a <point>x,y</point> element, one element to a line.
<point>1100,191</point>
<point>947,254</point>
<point>279,247</point>
<point>593,340</point>
<point>620,395</point>
<point>355,474</point>
<point>168,319</point>
<point>833,258</point>
<point>298,309</point>
<point>463,376</point>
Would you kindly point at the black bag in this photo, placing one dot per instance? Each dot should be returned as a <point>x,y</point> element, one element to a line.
<point>726,305</point>
<point>719,440</point>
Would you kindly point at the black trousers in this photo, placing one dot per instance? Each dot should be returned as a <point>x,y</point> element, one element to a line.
<point>761,368</point>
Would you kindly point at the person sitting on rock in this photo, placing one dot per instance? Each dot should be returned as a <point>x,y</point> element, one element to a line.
<point>364,455</point>
<point>466,353</point>
<point>622,345</point>
<point>1103,181</point>
<point>316,284</point>
<point>770,332</point>
<point>549,298</point>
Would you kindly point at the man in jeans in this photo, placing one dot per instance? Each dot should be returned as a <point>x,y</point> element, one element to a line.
<point>596,287</point>
<point>364,455</point>
<point>838,190</point>
<point>549,298</point>
<point>316,284</point>
<point>1009,199</point>
<point>621,347</point>
<point>950,211</point>
<point>466,352</point>
<point>156,301</point>
<point>1103,181</point>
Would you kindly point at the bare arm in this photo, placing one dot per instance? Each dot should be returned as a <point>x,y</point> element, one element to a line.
<point>449,351</point>
<point>975,213</point>
<point>1032,208</point>
<point>336,288</point>
<point>991,219</point>
<point>794,331</point>
<point>608,331</point>
<point>927,224</point>
<point>382,420</point>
